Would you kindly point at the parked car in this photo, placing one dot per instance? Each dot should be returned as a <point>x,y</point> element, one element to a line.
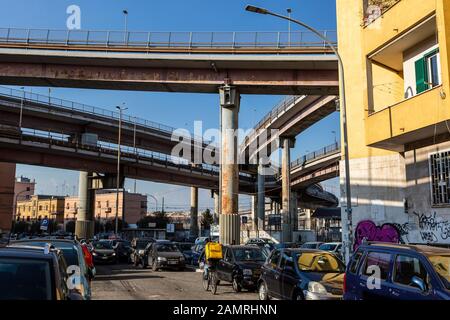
<point>164,255</point>
<point>241,266</point>
<point>333,247</point>
<point>202,240</point>
<point>104,252</point>
<point>122,248</point>
<point>186,250</point>
<point>301,274</point>
<point>311,245</point>
<point>407,272</point>
<point>73,256</point>
<point>34,273</point>
<point>196,252</point>
<point>262,242</point>
<point>139,248</point>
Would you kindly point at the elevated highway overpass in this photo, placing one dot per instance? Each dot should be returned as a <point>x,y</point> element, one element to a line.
<point>257,63</point>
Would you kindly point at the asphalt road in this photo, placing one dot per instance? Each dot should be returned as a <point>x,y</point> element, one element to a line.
<point>125,282</point>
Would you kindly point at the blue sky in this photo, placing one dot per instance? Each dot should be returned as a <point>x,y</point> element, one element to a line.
<point>174,109</point>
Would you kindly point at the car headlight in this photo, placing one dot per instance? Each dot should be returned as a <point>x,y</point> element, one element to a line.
<point>114,254</point>
<point>247,272</point>
<point>162,259</point>
<point>94,253</point>
<point>141,252</point>
<point>316,287</point>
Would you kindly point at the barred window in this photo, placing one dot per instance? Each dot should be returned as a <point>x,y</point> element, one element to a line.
<point>440,178</point>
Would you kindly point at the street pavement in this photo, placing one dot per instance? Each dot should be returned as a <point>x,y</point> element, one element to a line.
<point>125,282</point>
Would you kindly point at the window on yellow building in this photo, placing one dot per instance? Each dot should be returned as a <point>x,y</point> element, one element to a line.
<point>40,208</point>
<point>99,204</point>
<point>440,178</point>
<point>428,71</point>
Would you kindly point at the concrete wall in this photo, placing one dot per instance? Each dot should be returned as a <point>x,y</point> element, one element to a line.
<point>7,178</point>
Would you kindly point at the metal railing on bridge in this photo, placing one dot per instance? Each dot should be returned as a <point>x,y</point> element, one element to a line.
<point>79,107</point>
<point>330,149</point>
<point>126,151</point>
<point>142,40</point>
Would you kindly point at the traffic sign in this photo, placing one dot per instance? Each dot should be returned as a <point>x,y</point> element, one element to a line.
<point>44,224</point>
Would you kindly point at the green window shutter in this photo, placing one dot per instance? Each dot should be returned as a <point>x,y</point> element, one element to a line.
<point>421,75</point>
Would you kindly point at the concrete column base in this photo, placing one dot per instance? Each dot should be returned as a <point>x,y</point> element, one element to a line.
<point>230,229</point>
<point>286,232</point>
<point>84,229</point>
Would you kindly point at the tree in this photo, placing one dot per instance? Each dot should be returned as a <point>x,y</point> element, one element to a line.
<point>207,219</point>
<point>159,218</point>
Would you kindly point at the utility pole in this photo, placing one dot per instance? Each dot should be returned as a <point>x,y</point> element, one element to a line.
<point>346,217</point>
<point>125,12</point>
<point>289,11</point>
<point>121,109</point>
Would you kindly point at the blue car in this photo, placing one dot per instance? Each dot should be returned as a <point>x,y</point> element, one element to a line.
<point>398,272</point>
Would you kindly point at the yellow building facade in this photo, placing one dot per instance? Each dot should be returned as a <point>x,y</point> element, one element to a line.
<point>396,61</point>
<point>39,207</point>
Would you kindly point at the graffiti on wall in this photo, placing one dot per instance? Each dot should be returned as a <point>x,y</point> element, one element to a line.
<point>368,230</point>
<point>430,228</point>
<point>433,229</point>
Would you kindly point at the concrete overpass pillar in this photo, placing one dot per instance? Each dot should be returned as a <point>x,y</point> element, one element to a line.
<point>229,171</point>
<point>294,211</point>
<point>286,223</point>
<point>84,227</point>
<point>261,198</point>
<point>7,182</point>
<point>216,206</point>
<point>194,231</point>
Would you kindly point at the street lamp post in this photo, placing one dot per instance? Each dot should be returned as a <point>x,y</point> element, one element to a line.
<point>21,109</point>
<point>121,109</point>
<point>289,11</point>
<point>125,13</point>
<point>347,218</point>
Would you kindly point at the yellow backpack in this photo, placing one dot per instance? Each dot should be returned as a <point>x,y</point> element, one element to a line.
<point>213,250</point>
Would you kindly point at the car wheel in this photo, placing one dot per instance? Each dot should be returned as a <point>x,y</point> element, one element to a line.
<point>298,296</point>
<point>236,286</point>
<point>262,291</point>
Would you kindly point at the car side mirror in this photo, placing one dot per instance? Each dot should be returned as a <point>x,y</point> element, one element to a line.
<point>418,283</point>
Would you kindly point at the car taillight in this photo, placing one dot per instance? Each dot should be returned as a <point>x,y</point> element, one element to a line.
<point>344,287</point>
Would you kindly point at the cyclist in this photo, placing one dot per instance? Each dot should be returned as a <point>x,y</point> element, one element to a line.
<point>210,256</point>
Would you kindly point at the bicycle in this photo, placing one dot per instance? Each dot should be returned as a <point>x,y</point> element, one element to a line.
<point>210,280</point>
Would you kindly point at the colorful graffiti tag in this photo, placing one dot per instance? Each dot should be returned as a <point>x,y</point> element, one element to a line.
<point>368,230</point>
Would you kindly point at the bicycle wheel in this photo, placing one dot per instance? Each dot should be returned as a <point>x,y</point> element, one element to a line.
<point>213,284</point>
<point>205,281</point>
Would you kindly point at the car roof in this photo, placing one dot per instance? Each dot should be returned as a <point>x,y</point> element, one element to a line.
<point>45,240</point>
<point>242,246</point>
<point>421,248</point>
<point>25,252</point>
<point>301,250</point>
<point>333,243</point>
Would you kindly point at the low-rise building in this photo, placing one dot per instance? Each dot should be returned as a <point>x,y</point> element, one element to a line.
<point>39,207</point>
<point>131,208</point>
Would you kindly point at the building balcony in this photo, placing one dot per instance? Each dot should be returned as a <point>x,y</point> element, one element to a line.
<point>391,22</point>
<point>405,125</point>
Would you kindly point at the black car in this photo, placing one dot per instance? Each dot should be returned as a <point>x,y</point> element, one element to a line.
<point>186,250</point>
<point>104,252</point>
<point>139,250</point>
<point>33,273</point>
<point>73,256</point>
<point>165,255</point>
<point>122,248</point>
<point>302,274</point>
<point>241,265</point>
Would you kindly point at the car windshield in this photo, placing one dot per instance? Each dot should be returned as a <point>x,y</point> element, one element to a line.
<point>167,247</point>
<point>328,247</point>
<point>441,263</point>
<point>248,254</point>
<point>319,262</point>
<point>24,279</point>
<point>103,245</point>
